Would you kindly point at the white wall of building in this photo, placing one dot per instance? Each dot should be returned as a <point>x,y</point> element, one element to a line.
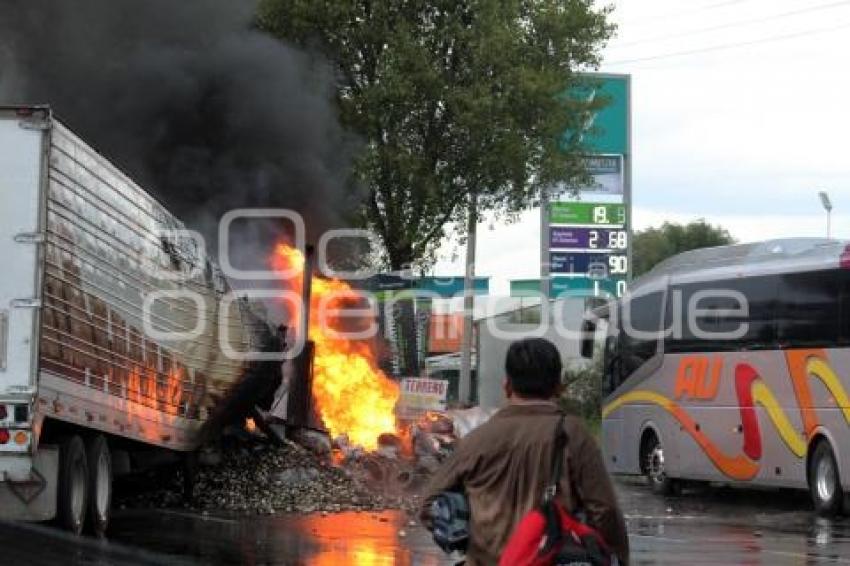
<point>495,335</point>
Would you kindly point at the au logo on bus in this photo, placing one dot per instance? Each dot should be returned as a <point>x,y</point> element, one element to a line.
<point>698,377</point>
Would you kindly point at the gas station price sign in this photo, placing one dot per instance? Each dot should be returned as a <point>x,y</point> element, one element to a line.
<point>592,213</point>
<point>586,244</point>
<point>602,239</point>
<point>595,265</point>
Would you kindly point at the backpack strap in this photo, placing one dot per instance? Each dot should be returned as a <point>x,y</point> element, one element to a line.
<point>556,466</point>
<point>549,509</point>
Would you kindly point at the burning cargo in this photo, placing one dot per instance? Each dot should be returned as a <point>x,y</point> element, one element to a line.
<point>353,396</point>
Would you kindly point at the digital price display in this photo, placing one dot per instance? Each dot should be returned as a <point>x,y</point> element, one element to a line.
<point>586,263</point>
<point>584,286</point>
<point>587,213</point>
<point>605,239</point>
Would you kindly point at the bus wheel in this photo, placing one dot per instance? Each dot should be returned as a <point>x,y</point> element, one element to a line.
<point>824,482</point>
<point>100,485</point>
<point>72,490</point>
<point>656,474</point>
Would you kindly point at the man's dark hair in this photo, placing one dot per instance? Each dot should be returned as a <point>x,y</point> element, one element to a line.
<point>533,366</point>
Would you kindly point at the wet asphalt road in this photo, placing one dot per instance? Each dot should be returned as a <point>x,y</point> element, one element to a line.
<point>708,526</point>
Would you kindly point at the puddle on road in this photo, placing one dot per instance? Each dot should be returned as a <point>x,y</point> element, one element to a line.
<point>713,527</point>
<point>359,539</point>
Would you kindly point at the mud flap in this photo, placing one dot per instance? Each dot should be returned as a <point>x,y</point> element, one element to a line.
<point>33,498</point>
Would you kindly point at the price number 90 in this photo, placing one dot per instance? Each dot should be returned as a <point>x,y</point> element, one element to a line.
<point>618,265</point>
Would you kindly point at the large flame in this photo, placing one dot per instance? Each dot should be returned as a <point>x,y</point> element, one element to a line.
<point>354,397</point>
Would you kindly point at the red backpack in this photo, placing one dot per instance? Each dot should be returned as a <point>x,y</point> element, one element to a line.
<point>549,535</point>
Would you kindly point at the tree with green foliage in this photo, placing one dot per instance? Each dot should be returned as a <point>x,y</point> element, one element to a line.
<point>453,98</point>
<point>582,394</point>
<point>653,245</point>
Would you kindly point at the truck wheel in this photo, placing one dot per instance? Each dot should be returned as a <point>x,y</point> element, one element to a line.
<point>655,470</point>
<point>824,482</point>
<point>72,490</point>
<point>100,485</point>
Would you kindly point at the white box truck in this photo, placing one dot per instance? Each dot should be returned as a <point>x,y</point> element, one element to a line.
<point>85,383</point>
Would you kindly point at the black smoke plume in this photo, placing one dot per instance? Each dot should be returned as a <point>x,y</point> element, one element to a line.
<point>200,108</point>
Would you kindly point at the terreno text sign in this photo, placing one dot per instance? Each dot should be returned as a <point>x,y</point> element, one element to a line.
<point>419,395</point>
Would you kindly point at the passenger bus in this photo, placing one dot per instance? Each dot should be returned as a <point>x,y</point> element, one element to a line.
<point>732,365</point>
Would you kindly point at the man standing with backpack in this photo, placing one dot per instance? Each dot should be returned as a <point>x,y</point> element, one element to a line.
<point>503,466</point>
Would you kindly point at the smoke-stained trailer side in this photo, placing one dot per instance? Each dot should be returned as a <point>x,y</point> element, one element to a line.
<point>83,377</point>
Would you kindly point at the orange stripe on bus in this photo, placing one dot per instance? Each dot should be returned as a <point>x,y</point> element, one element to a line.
<point>736,467</point>
<point>798,368</point>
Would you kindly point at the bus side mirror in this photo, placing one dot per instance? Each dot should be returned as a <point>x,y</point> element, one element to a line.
<point>588,333</point>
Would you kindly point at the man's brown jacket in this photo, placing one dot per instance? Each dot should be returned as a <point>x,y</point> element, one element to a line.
<point>502,467</point>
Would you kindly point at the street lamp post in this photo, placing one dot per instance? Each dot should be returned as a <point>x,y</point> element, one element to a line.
<point>827,205</point>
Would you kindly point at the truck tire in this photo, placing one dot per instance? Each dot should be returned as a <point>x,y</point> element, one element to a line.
<point>100,485</point>
<point>72,492</point>
<point>824,481</point>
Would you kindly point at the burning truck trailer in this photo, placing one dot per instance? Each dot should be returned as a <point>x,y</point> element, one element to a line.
<point>88,389</point>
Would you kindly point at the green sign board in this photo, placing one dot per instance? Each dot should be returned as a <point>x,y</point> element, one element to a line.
<point>448,287</point>
<point>594,213</point>
<point>387,287</point>
<point>571,287</point>
<point>607,129</point>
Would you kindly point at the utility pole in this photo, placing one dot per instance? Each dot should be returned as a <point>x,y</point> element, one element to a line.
<point>465,384</point>
<point>545,276</point>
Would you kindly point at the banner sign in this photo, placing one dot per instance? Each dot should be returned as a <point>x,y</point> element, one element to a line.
<point>604,164</point>
<point>607,173</point>
<point>419,395</point>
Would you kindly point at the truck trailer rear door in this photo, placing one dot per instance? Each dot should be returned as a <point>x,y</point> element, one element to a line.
<point>22,133</point>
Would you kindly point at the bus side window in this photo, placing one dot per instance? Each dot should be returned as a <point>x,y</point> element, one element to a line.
<point>612,365</point>
<point>762,298</point>
<point>717,327</point>
<point>809,309</point>
<point>641,330</point>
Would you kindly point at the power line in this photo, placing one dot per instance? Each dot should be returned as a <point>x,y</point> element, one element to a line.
<point>729,46</point>
<point>721,4</point>
<point>729,25</point>
<point>642,22</point>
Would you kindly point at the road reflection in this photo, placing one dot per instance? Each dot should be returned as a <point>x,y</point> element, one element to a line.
<point>359,539</point>
<point>731,526</point>
<point>708,526</point>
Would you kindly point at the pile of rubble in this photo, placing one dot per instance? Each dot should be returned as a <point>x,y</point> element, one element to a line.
<point>254,476</point>
<point>258,478</point>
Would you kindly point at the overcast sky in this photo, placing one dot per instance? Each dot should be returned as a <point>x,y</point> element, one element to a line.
<point>739,115</point>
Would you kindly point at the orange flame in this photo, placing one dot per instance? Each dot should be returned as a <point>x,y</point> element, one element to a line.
<point>354,397</point>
